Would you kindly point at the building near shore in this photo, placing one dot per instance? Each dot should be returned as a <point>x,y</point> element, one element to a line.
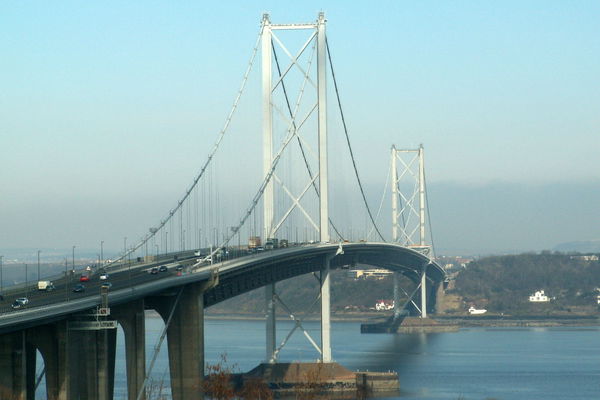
<point>373,273</point>
<point>539,297</point>
<point>384,305</point>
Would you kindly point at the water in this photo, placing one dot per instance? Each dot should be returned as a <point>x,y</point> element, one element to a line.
<point>477,363</point>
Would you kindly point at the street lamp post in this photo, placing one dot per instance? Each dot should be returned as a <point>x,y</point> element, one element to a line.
<point>125,245</point>
<point>1,260</point>
<point>102,252</point>
<point>26,282</point>
<point>66,280</point>
<point>73,258</point>
<point>156,251</point>
<point>129,269</point>
<point>39,251</point>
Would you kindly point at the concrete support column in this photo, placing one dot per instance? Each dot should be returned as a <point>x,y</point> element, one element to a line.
<point>325,312</point>
<point>107,344</point>
<point>30,370</point>
<point>131,317</point>
<point>51,341</point>
<point>91,358</point>
<point>13,366</point>
<point>185,336</point>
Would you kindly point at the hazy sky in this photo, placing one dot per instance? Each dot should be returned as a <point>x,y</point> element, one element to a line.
<point>107,109</point>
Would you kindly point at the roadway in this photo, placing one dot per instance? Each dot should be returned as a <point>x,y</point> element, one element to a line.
<point>238,272</point>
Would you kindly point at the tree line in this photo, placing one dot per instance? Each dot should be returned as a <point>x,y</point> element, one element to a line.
<point>504,283</point>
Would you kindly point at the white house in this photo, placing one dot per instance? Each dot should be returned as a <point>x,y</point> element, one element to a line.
<point>383,305</point>
<point>539,297</point>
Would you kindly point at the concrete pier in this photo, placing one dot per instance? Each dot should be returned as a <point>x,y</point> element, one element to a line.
<point>91,359</point>
<point>51,341</point>
<point>13,370</point>
<point>185,337</point>
<point>132,319</point>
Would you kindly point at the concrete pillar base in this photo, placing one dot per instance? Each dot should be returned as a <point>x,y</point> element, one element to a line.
<point>91,359</point>
<point>13,366</point>
<point>185,336</point>
<point>131,317</point>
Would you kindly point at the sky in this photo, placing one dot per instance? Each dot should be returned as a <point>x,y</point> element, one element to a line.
<point>108,109</point>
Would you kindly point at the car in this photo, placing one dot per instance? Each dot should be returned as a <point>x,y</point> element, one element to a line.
<point>103,276</point>
<point>179,268</point>
<point>162,268</point>
<point>80,287</point>
<point>20,303</point>
<point>84,278</point>
<point>153,270</point>
<point>106,285</point>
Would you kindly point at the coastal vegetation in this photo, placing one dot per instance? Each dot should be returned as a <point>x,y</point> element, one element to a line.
<point>500,284</point>
<point>503,284</point>
<point>299,294</point>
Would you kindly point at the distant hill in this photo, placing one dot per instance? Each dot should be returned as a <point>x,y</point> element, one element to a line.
<point>587,246</point>
<point>300,293</point>
<point>503,284</point>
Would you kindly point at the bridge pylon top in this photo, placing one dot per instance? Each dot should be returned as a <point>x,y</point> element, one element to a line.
<point>291,116</point>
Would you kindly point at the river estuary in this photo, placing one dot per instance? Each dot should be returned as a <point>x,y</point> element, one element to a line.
<point>474,363</point>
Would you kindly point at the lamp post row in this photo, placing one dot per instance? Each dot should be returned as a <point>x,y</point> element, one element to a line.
<point>72,261</point>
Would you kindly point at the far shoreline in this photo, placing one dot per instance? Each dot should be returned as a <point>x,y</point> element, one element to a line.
<point>462,321</point>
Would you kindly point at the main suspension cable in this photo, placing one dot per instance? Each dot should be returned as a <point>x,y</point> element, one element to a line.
<point>385,186</point>
<point>429,218</point>
<point>362,192</point>
<point>211,154</point>
<point>234,230</point>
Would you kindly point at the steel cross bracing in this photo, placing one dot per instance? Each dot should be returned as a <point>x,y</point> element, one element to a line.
<point>294,124</point>
<point>297,325</point>
<point>320,224</point>
<point>270,161</point>
<point>408,218</point>
<point>408,189</point>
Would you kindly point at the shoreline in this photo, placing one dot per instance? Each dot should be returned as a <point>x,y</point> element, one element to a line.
<point>462,321</point>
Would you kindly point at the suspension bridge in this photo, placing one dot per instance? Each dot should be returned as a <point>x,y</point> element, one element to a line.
<point>198,255</point>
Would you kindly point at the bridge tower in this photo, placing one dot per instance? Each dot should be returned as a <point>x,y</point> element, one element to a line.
<point>408,212</point>
<point>270,37</point>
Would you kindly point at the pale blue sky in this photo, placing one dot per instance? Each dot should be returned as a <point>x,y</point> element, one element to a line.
<point>101,102</point>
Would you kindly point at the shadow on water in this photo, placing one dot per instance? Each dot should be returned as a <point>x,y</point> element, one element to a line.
<point>399,352</point>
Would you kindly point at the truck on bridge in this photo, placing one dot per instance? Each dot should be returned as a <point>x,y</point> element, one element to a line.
<point>46,286</point>
<point>254,242</point>
<point>271,243</point>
